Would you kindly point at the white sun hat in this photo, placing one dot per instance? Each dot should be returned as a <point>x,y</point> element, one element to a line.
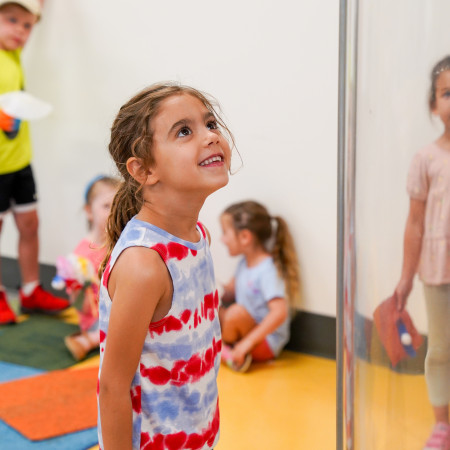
<point>34,6</point>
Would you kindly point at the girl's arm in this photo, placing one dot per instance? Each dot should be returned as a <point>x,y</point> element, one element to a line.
<point>228,295</point>
<point>412,245</point>
<point>138,284</point>
<point>278,311</point>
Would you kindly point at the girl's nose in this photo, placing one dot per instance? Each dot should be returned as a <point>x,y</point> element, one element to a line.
<point>211,137</point>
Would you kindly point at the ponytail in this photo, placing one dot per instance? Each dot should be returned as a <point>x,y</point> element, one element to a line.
<point>126,204</point>
<point>285,259</point>
<point>273,234</point>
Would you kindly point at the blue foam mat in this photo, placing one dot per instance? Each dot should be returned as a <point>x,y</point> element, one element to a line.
<point>10,371</point>
<point>10,439</point>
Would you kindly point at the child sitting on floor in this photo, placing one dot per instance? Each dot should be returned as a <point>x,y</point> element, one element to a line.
<point>256,326</point>
<point>88,255</point>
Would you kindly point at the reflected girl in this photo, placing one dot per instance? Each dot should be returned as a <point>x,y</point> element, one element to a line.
<point>427,250</point>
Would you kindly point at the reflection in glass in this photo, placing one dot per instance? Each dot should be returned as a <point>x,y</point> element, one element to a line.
<point>387,403</point>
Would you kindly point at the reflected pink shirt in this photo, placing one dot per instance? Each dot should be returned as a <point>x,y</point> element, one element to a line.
<point>429,180</point>
<point>95,255</point>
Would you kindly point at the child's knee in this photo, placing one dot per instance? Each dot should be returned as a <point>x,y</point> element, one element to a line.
<point>28,226</point>
<point>438,355</point>
<point>236,312</point>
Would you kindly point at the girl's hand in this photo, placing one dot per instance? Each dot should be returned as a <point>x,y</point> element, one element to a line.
<point>402,292</point>
<point>238,354</point>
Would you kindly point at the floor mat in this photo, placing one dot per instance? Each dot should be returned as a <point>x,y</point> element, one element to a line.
<point>37,342</point>
<point>81,440</point>
<point>9,371</point>
<point>51,404</point>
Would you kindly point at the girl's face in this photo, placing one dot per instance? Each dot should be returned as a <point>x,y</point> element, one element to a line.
<point>230,237</point>
<point>442,104</point>
<point>16,24</point>
<point>191,154</point>
<point>100,206</point>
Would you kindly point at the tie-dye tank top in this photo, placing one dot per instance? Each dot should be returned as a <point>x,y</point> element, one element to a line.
<point>174,391</point>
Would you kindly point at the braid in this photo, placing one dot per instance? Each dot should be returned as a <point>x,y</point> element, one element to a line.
<point>126,204</point>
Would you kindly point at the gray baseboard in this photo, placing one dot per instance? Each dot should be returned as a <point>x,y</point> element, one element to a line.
<point>310,333</point>
<point>11,275</point>
<point>314,334</point>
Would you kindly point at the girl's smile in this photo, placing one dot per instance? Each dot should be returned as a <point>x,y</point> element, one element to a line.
<point>213,161</point>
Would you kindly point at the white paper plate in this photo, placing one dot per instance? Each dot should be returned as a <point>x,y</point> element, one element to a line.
<point>24,106</point>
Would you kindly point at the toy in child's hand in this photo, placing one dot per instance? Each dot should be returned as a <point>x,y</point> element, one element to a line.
<point>73,272</point>
<point>396,331</point>
<point>24,106</point>
<point>405,338</point>
<point>8,123</point>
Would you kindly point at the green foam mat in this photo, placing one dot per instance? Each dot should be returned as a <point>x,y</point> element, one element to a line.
<point>37,342</point>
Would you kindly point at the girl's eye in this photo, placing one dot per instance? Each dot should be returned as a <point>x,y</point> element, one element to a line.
<point>447,94</point>
<point>12,19</point>
<point>212,125</point>
<point>27,26</point>
<point>185,131</point>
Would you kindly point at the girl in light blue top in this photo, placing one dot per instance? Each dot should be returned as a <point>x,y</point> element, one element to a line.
<point>255,326</point>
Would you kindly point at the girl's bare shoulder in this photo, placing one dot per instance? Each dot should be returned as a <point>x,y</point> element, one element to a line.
<point>139,268</point>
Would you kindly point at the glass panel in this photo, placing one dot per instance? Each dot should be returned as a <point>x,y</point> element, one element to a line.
<point>386,402</point>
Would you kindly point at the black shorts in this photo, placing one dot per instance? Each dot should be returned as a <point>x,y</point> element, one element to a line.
<point>18,191</point>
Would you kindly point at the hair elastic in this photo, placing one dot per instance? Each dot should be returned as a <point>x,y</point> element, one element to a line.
<point>274,224</point>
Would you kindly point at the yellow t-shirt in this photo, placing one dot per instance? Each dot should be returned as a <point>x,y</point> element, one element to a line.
<point>15,154</point>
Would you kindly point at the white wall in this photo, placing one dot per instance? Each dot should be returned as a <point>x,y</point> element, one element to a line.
<point>271,64</point>
<point>399,43</point>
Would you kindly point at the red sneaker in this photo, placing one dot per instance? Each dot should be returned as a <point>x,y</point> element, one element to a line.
<point>41,301</point>
<point>7,315</point>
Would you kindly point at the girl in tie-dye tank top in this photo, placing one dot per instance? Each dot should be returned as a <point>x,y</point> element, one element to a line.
<point>160,338</point>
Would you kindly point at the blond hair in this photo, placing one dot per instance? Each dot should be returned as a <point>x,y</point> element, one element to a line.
<point>252,216</point>
<point>132,136</point>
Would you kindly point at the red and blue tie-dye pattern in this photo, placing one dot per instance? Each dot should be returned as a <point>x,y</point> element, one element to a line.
<point>174,391</point>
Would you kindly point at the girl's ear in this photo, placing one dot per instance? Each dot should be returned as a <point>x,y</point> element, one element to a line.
<point>245,236</point>
<point>88,211</point>
<point>139,173</point>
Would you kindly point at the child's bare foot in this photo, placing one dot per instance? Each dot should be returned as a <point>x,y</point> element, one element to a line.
<point>79,345</point>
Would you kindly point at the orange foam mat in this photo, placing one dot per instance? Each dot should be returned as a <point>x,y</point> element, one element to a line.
<point>52,404</point>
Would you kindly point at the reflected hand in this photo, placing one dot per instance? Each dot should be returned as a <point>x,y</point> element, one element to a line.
<point>402,292</point>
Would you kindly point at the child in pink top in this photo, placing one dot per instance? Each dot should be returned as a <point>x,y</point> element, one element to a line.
<point>427,251</point>
<point>91,250</point>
